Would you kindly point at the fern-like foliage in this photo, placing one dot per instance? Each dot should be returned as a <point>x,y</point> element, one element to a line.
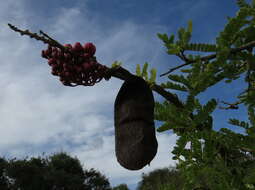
<point>222,159</point>
<point>228,35</point>
<point>175,47</point>
<point>174,86</point>
<point>171,115</point>
<point>236,122</point>
<point>144,73</point>
<point>205,112</point>
<point>242,3</point>
<point>180,79</point>
<point>201,47</point>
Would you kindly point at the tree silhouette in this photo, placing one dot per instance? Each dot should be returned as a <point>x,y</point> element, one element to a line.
<point>168,178</point>
<point>121,187</point>
<point>59,171</point>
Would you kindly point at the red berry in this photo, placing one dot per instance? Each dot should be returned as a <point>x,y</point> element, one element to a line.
<point>65,66</point>
<point>78,69</point>
<point>54,54</point>
<point>86,55</point>
<point>90,48</point>
<point>77,47</point>
<point>60,54</point>
<point>67,74</point>
<point>86,66</point>
<point>67,56</point>
<point>68,45</point>
<point>54,67</point>
<point>52,61</point>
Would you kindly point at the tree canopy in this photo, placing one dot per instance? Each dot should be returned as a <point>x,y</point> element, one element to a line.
<point>161,178</point>
<point>59,171</point>
<point>121,187</point>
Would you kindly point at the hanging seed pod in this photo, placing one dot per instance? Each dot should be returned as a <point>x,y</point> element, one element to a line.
<point>135,140</point>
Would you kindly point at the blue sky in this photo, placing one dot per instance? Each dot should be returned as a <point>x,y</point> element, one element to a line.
<point>38,114</point>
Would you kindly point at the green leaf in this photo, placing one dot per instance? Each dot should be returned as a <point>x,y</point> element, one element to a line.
<point>153,73</point>
<point>171,39</point>
<point>201,47</point>
<point>164,127</point>
<point>138,70</point>
<point>228,81</point>
<point>251,115</point>
<point>190,103</point>
<point>173,86</point>
<point>173,49</point>
<point>242,3</point>
<point>210,106</point>
<point>204,113</point>
<point>180,79</point>
<point>236,122</point>
<point>163,37</point>
<point>185,70</point>
<point>116,64</point>
<point>189,29</point>
<point>144,72</point>
<point>181,33</point>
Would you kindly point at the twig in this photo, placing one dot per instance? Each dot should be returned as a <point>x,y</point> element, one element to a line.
<point>247,149</point>
<point>231,105</point>
<point>183,56</point>
<point>54,41</point>
<point>45,38</point>
<point>212,56</point>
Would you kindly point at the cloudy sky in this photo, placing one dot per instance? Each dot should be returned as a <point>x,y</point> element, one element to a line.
<point>38,114</point>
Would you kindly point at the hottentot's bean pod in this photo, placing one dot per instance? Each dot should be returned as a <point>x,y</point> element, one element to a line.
<point>135,140</point>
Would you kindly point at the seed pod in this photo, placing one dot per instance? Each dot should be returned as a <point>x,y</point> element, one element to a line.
<point>135,140</point>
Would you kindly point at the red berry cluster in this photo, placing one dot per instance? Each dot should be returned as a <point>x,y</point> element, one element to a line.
<point>76,65</point>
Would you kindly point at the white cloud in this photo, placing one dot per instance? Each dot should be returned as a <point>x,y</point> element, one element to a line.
<point>111,168</point>
<point>38,114</point>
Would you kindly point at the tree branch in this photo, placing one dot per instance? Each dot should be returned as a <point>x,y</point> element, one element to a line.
<point>44,38</point>
<point>117,72</point>
<point>210,57</point>
<point>123,74</point>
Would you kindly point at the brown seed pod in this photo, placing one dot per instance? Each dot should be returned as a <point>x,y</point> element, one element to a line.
<point>135,140</point>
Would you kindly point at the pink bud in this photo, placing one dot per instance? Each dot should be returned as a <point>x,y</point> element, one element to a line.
<point>90,48</point>
<point>67,56</point>
<point>78,47</point>
<point>67,74</point>
<point>78,69</point>
<point>68,46</point>
<point>52,61</point>
<point>86,66</point>
<point>60,54</point>
<point>54,54</point>
<point>86,55</point>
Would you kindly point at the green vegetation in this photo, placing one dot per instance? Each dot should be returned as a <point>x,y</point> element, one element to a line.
<point>59,171</point>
